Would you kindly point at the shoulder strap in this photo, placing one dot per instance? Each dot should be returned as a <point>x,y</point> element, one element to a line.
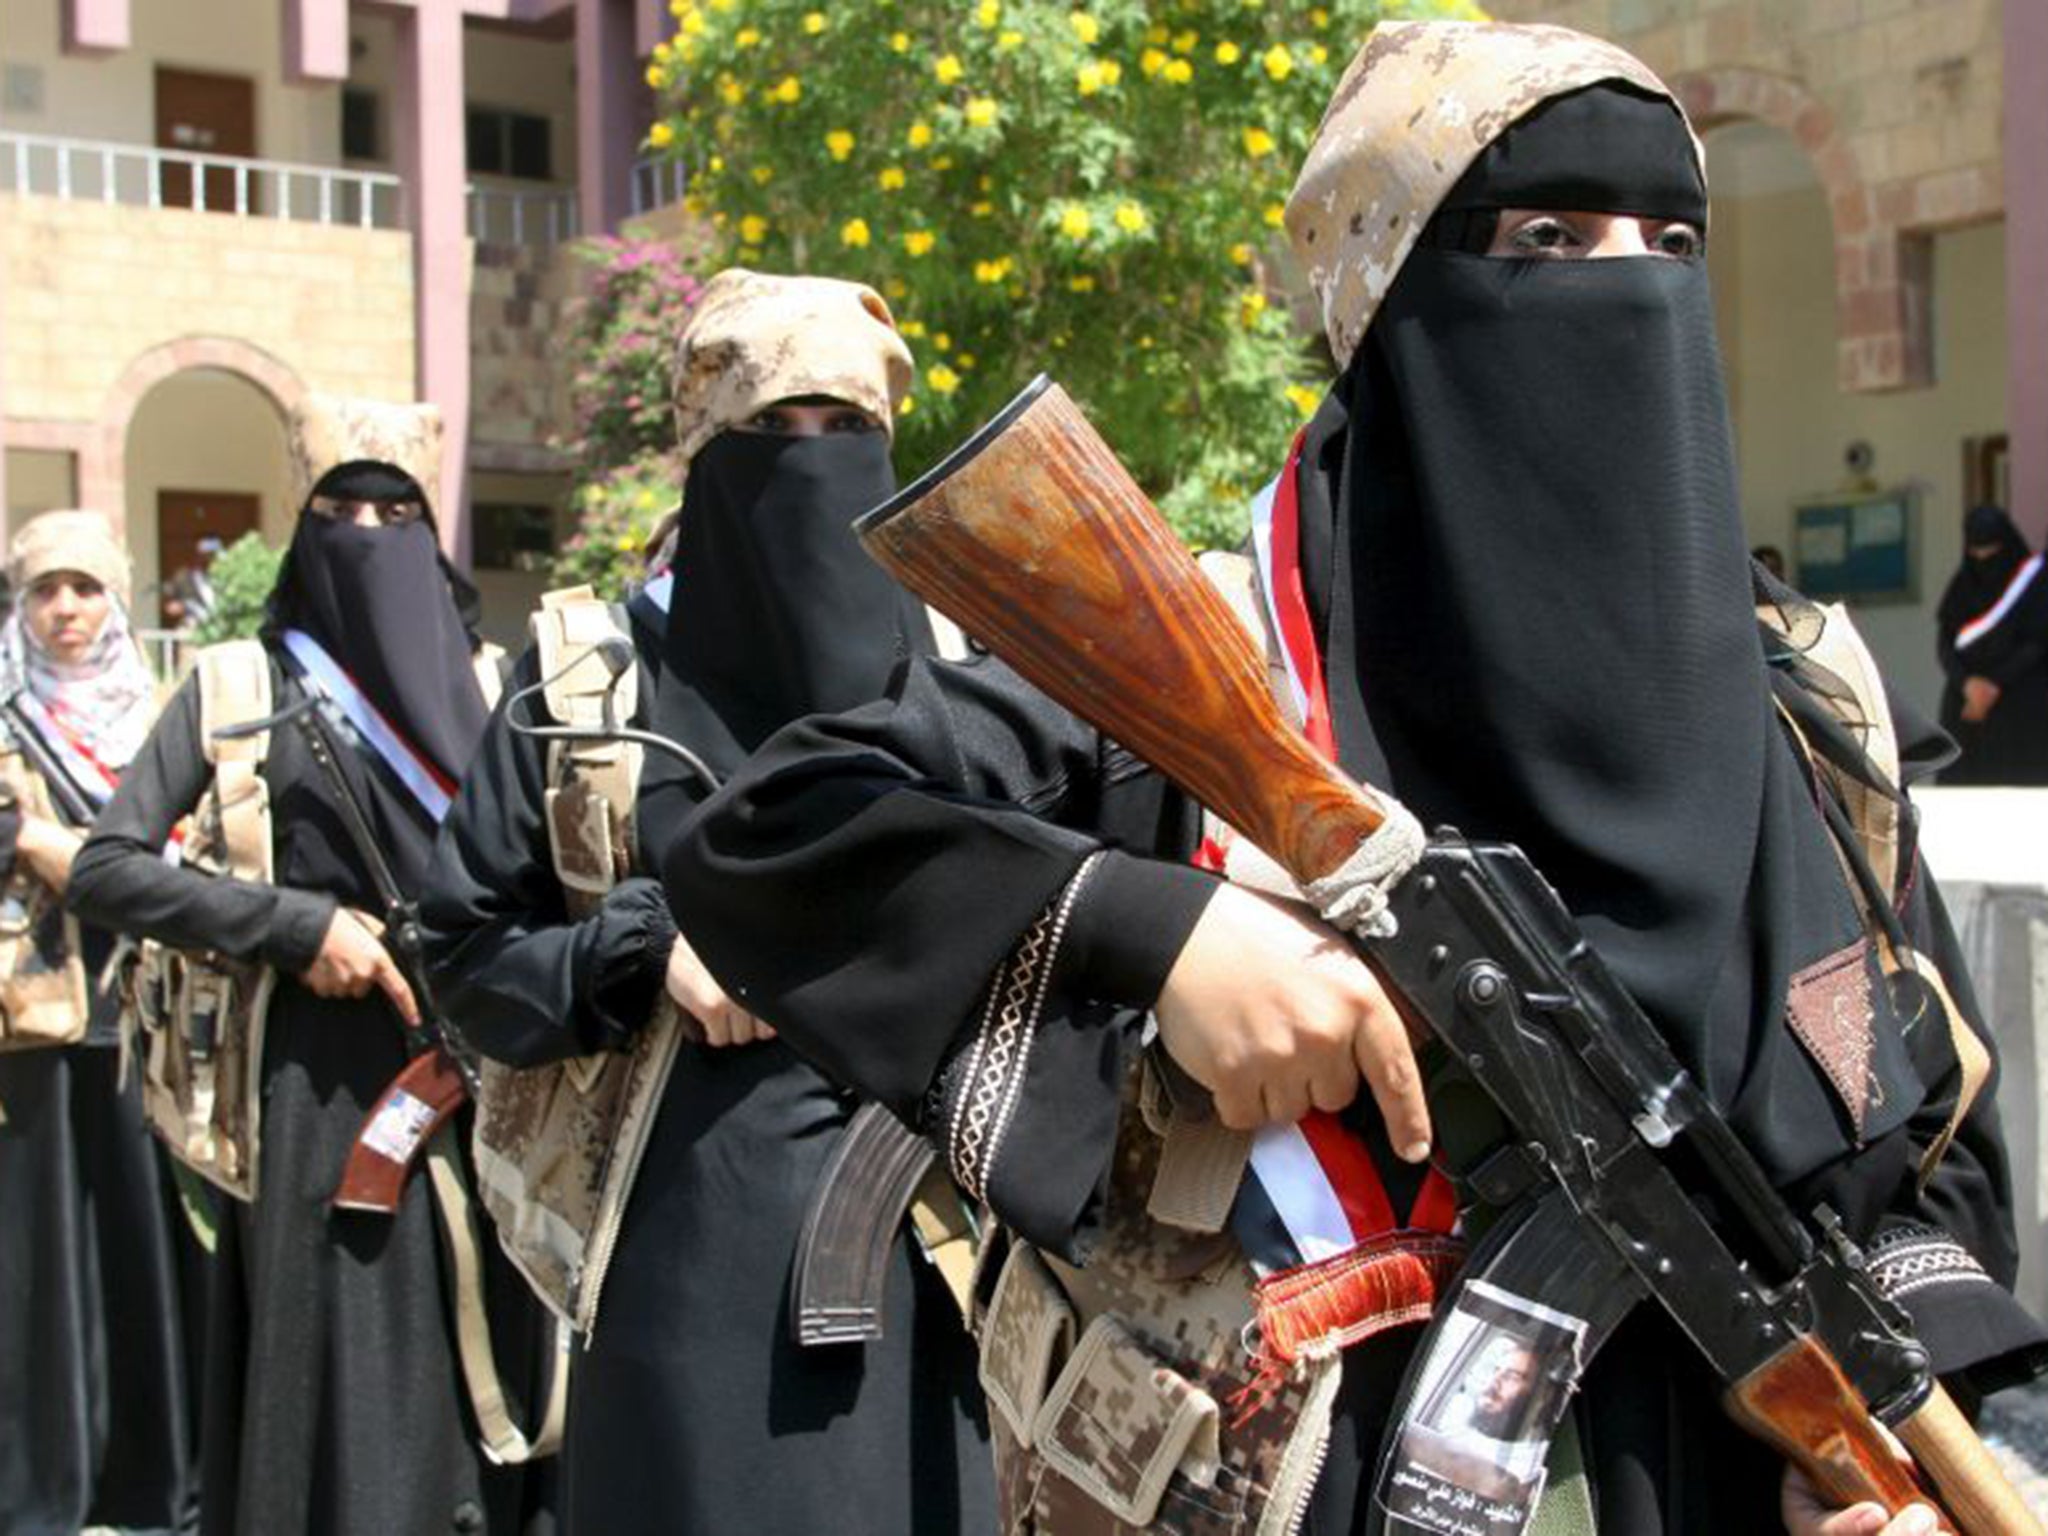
<point>592,785</point>
<point>489,666</point>
<point>234,689</point>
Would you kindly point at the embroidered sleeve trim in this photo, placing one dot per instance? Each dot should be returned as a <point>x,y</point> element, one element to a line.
<point>1912,1259</point>
<point>992,1079</point>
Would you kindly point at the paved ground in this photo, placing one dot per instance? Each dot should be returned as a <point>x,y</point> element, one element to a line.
<point>2015,1426</point>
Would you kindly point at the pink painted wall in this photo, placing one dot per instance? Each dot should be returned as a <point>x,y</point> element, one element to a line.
<point>315,40</point>
<point>608,92</point>
<point>428,113</point>
<point>2026,260</point>
<point>95,26</point>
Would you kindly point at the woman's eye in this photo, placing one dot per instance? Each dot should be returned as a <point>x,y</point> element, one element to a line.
<point>769,421</point>
<point>1680,240</point>
<point>848,421</point>
<point>1540,237</point>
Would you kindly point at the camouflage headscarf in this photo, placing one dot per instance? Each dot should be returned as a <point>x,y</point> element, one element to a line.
<point>1418,105</point>
<point>754,339</point>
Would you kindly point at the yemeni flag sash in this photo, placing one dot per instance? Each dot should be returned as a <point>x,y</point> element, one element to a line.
<point>1988,620</point>
<point>88,775</point>
<point>432,788</point>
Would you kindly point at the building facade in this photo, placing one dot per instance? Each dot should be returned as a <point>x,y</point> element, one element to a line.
<point>209,208</point>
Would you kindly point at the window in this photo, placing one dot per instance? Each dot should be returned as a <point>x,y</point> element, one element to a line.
<point>359,139</point>
<point>505,143</point>
<point>513,536</point>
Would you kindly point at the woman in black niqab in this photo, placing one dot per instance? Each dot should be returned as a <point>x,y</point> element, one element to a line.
<point>1992,634</point>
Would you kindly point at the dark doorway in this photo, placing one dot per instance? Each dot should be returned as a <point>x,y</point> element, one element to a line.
<point>188,523</point>
<point>203,114</point>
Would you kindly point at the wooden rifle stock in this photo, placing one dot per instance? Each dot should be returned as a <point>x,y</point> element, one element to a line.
<point>1037,542</point>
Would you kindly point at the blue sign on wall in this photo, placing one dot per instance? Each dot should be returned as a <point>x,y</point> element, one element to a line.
<point>1858,547</point>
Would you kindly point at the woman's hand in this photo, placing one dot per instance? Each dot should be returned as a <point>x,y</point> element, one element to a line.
<point>48,850</point>
<point>1276,1015</point>
<point>353,960</point>
<point>1980,697</point>
<point>697,992</point>
<point>1806,1515</point>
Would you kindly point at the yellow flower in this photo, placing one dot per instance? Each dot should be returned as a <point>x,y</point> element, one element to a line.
<point>1241,254</point>
<point>746,37</point>
<point>992,271</point>
<point>890,178</point>
<point>695,25</point>
<point>1008,39</point>
<point>721,6</point>
<point>1178,71</point>
<point>839,143</point>
<point>1318,53</point>
<point>899,42</point>
<point>730,91</point>
<point>919,136</point>
<point>989,12</point>
<point>1085,27</point>
<point>1250,305</point>
<point>1257,142</point>
<point>1303,399</point>
<point>1151,61</point>
<point>943,342</point>
<point>919,242</point>
<point>982,209</point>
<point>753,229</point>
<point>911,328</point>
<point>1081,284</point>
<point>1144,343</point>
<point>762,175</point>
<point>814,22</point>
<point>680,8</point>
<point>981,112</point>
<point>854,232</point>
<point>942,378</point>
<point>1319,18</point>
<point>908,404</point>
<point>1278,61</point>
<point>948,69</point>
<point>1088,79</point>
<point>895,288</point>
<point>1130,218</point>
<point>1112,72</point>
<point>943,163</point>
<point>662,52</point>
<point>717,164</point>
<point>1185,42</point>
<point>1228,53</point>
<point>1276,214</point>
<point>787,90</point>
<point>657,78</point>
<point>1074,222</point>
<point>661,135</point>
<point>965,359</point>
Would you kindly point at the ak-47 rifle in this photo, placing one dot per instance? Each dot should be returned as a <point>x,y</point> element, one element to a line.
<point>1034,538</point>
<point>65,793</point>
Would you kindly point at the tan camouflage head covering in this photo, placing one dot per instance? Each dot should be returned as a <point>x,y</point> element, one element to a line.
<point>754,339</point>
<point>1418,105</point>
<point>71,540</point>
<point>328,430</point>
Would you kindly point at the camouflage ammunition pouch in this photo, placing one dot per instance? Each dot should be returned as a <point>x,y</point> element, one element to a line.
<point>557,1146</point>
<point>1122,1396</point>
<point>196,1021</point>
<point>43,999</point>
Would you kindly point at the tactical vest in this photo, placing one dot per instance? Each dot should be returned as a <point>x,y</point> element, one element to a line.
<point>1123,1397</point>
<point>43,1000</point>
<point>557,1146</point>
<point>196,1020</point>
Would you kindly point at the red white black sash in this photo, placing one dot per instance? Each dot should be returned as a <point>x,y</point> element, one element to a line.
<point>1989,619</point>
<point>434,790</point>
<point>80,764</point>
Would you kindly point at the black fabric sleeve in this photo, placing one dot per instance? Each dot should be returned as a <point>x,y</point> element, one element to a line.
<point>523,981</point>
<point>10,838</point>
<point>121,882</point>
<point>860,882</point>
<point>1946,1251</point>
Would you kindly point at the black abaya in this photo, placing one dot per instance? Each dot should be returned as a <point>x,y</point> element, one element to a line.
<point>1981,634</point>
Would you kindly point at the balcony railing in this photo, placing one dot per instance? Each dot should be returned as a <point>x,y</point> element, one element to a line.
<point>658,183</point>
<point>144,176</point>
<point>514,216</point>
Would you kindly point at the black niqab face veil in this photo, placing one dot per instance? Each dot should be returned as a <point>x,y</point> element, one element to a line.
<point>386,604</point>
<point>777,612</point>
<point>1536,596</point>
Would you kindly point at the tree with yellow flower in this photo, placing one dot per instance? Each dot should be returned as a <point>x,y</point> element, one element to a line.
<point>1085,187</point>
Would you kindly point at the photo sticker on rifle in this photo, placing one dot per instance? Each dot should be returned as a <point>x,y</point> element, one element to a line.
<point>1469,1459</point>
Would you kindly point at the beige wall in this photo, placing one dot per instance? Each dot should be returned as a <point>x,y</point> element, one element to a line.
<point>85,289</point>
<point>115,97</point>
<point>519,300</point>
<point>1776,286</point>
<point>39,480</point>
<point>526,74</point>
<point>202,431</point>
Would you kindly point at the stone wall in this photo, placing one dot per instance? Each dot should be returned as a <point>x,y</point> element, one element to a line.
<point>1898,103</point>
<point>519,300</point>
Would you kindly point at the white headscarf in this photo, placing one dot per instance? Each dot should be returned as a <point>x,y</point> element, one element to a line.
<point>98,705</point>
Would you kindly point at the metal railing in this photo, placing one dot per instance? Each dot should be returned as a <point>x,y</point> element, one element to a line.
<point>657,183</point>
<point>144,176</point>
<point>515,216</point>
